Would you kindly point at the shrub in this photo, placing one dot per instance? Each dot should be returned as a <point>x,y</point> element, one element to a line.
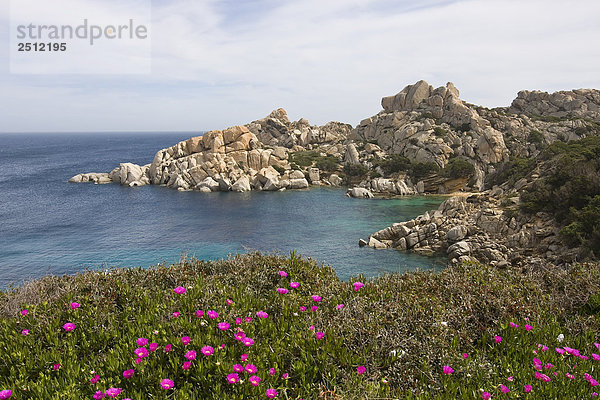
<point>279,169</point>
<point>439,131</point>
<point>536,137</point>
<point>464,127</point>
<point>419,171</point>
<point>511,171</point>
<point>328,163</point>
<point>394,163</point>
<point>355,170</point>
<point>458,168</point>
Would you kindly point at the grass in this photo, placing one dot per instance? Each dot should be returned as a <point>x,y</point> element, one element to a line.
<point>402,328</point>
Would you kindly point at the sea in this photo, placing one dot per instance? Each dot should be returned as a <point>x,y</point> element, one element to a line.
<point>50,226</point>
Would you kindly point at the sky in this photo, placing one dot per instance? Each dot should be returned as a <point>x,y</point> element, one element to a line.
<point>219,63</point>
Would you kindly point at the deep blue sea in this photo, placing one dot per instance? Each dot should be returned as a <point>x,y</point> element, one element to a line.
<point>50,226</point>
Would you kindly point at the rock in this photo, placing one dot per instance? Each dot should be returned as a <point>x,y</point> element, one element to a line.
<point>362,243</point>
<point>360,193</point>
<point>335,180</point>
<point>209,183</point>
<point>129,173</point>
<point>77,179</point>
<point>313,175</point>
<point>376,243</point>
<point>241,185</point>
<point>351,155</point>
<point>298,183</point>
<point>457,233</point>
<point>459,249</point>
<point>296,175</point>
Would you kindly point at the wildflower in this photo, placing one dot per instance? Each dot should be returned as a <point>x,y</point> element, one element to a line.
<point>75,306</point>
<point>254,380</point>
<point>94,379</point>
<point>294,285</point>
<point>138,361</point>
<point>222,346</point>
<point>465,355</point>
<point>24,312</point>
<point>510,379</point>
<point>272,372</point>
<point>320,335</point>
<point>584,357</point>
<point>141,341</point>
<point>238,321</point>
<point>176,314</point>
<point>272,393</point>
<point>113,392</point>
<point>141,352</point>
<point>69,326</point>
<point>597,345</point>
<point>5,394</point>
<point>168,348</point>
<point>238,368</point>
<point>528,328</point>
<point>316,298</point>
<point>247,341</point>
<point>248,319</point>
<point>569,376</point>
<point>153,346</point>
<point>548,366</point>
<point>593,382</point>
<point>314,308</point>
<point>179,290</point>
<point>559,350</point>
<point>596,357</point>
<point>486,396</point>
<point>527,388</point>
<point>199,313</point>
<point>282,290</point>
<point>302,308</point>
<point>587,376</point>
<point>223,326</point>
<point>594,394</point>
<point>244,357</point>
<point>213,314</point>
<point>513,325</point>
<point>283,274</point>
<point>560,338</point>
<point>207,350</point>
<point>357,286</point>
<point>128,373</point>
<point>190,355</point>
<point>448,369</point>
<point>361,369</point>
<point>187,365</point>
<point>167,384</point>
<point>98,395</point>
<point>504,389</point>
<point>239,335</point>
<point>229,302</point>
<point>233,378</point>
<point>311,328</point>
<point>25,332</point>
<point>544,348</point>
<point>262,314</point>
<point>56,367</point>
<point>285,376</point>
<point>251,368</point>
<point>498,339</point>
<point>186,340</point>
<point>339,306</point>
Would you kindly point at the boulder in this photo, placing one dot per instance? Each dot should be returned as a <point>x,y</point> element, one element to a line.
<point>209,183</point>
<point>298,183</point>
<point>351,156</point>
<point>457,233</point>
<point>241,185</point>
<point>458,250</point>
<point>313,175</point>
<point>360,193</point>
<point>296,175</point>
<point>335,180</point>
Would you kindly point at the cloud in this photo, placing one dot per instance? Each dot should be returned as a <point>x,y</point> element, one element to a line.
<point>219,63</point>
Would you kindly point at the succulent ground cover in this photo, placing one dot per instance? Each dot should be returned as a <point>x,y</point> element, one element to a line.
<point>263,326</point>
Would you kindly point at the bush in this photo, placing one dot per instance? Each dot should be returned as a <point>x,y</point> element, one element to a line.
<point>279,169</point>
<point>439,131</point>
<point>311,158</point>
<point>419,171</point>
<point>458,168</point>
<point>536,137</point>
<point>464,127</point>
<point>511,171</point>
<point>328,163</point>
<point>394,163</point>
<point>355,170</point>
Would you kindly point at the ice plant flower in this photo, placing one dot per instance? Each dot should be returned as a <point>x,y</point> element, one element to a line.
<point>179,290</point>
<point>238,321</point>
<point>361,369</point>
<point>320,335</point>
<point>272,372</point>
<point>311,328</point>
<point>190,355</point>
<point>358,286</point>
<point>228,302</point>
<point>513,325</point>
<point>285,376</point>
<point>56,367</point>
<point>207,350</point>
<point>244,357</point>
<point>497,339</point>
<point>167,384</point>
<point>238,368</point>
<point>25,332</point>
<point>448,369</point>
<point>316,298</point>
<point>339,306</point>
<point>262,314</point>
<point>69,326</point>
<point>24,312</point>
<point>186,340</point>
<point>199,313</point>
<point>314,308</point>
<point>248,319</point>
<point>223,326</point>
<point>176,314</point>
<point>465,355</point>
<point>569,376</point>
<point>94,379</point>
<point>187,365</point>
<point>510,379</point>
<point>251,368</point>
<point>233,378</point>
<point>527,388</point>
<point>281,290</point>
<point>596,357</point>
<point>113,392</point>
<point>212,314</point>
<point>504,389</point>
<point>75,306</point>
<point>5,394</point>
<point>597,345</point>
<point>302,308</point>
<point>283,274</point>
<point>272,393</point>
<point>98,395</point>
<point>168,348</point>
<point>254,380</point>
<point>141,341</point>
<point>153,346</point>
<point>486,396</point>
<point>128,373</point>
<point>247,341</point>
<point>294,285</point>
<point>239,335</point>
<point>560,351</point>
<point>141,352</point>
<point>528,327</point>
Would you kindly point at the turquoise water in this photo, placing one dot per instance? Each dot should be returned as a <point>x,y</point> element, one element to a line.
<point>52,227</point>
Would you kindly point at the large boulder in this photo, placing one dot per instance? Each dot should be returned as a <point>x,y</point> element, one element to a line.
<point>360,193</point>
<point>241,185</point>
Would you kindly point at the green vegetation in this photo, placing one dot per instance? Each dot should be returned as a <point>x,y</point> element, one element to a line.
<point>458,168</point>
<point>403,329</point>
<point>464,127</point>
<point>355,170</point>
<point>422,170</point>
<point>511,171</point>
<point>439,131</point>
<point>536,137</point>
<point>394,163</point>
<point>311,158</point>
<point>279,169</point>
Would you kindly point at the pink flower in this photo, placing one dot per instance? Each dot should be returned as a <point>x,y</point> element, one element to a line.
<point>5,394</point>
<point>570,376</point>
<point>222,346</point>
<point>302,308</point>
<point>75,306</point>
<point>272,393</point>
<point>593,382</point>
<point>282,290</point>
<point>596,357</point>
<point>56,367</point>
<point>128,373</point>
<point>560,351</point>
<point>544,348</point>
<point>320,335</point>
<point>283,274</point>
<point>153,346</point>
<point>497,339</point>
<point>94,379</point>
<point>316,298</point>
<point>186,340</point>
<point>548,366</point>
<point>448,369</point>
<point>311,328</point>
<point>223,326</point>
<point>314,308</point>
<point>24,312</point>
<point>248,319</point>
<point>361,369</point>
<point>528,327</point>
<point>597,345</point>
<point>272,372</point>
<point>113,392</point>
<point>229,302</point>
<point>244,357</point>
<point>285,376</point>
<point>504,389</point>
<point>199,313</point>
<point>358,286</point>
<point>247,341</point>
<point>486,396</point>
<point>294,285</point>
<point>213,314</point>
<point>238,321</point>
<point>141,352</point>
<point>584,357</point>
<point>339,306</point>
<point>513,325</point>
<point>98,395</point>
<point>254,380</point>
<point>138,361</point>
<point>233,378</point>
<point>238,368</point>
<point>69,326</point>
<point>527,388</point>
<point>179,290</point>
<point>262,314</point>
<point>168,348</point>
<point>465,355</point>
<point>25,332</point>
<point>239,335</point>
<point>187,365</point>
<point>207,350</point>
<point>141,341</point>
<point>190,355</point>
<point>510,379</point>
<point>594,394</point>
<point>167,384</point>
<point>176,314</point>
<point>251,368</point>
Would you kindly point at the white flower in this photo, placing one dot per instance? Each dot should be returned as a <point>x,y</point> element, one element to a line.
<point>560,338</point>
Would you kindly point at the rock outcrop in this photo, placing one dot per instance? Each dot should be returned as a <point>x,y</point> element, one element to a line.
<point>579,103</point>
